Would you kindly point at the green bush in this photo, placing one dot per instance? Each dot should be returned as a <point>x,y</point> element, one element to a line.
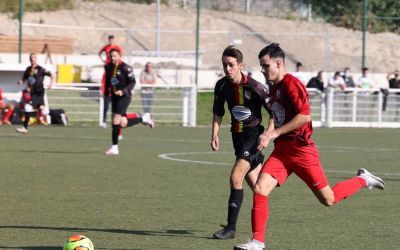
<point>12,6</point>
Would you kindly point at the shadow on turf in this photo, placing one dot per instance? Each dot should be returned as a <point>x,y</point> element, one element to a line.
<point>168,232</point>
<point>52,152</point>
<point>58,248</point>
<point>33,248</point>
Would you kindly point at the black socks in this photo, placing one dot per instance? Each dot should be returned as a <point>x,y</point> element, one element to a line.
<point>235,202</point>
<point>115,133</point>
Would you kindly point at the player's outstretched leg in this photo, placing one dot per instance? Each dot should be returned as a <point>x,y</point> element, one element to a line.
<point>371,180</point>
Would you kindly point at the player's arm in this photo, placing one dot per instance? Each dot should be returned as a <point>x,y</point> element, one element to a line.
<point>130,76</point>
<point>52,78</point>
<point>101,52</point>
<point>218,113</point>
<point>297,121</point>
<point>271,133</point>
<point>24,77</point>
<point>216,124</point>
<point>264,139</point>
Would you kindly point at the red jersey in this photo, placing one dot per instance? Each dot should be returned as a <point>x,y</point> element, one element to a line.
<point>107,50</point>
<point>1,95</point>
<point>287,99</point>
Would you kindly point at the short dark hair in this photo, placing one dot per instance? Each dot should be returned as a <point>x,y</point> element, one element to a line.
<point>114,49</point>
<point>365,69</point>
<point>234,52</point>
<point>273,50</point>
<point>110,37</point>
<point>299,64</point>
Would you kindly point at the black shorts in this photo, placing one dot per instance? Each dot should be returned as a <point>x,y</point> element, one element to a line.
<point>120,104</point>
<point>36,100</point>
<point>245,145</point>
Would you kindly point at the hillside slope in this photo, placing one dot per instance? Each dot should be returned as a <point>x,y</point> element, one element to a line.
<point>316,45</point>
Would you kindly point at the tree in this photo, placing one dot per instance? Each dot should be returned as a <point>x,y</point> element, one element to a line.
<point>381,13</point>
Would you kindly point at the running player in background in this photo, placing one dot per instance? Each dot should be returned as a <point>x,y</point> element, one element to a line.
<point>120,81</point>
<point>34,76</point>
<point>245,97</point>
<point>290,128</point>
<point>105,56</point>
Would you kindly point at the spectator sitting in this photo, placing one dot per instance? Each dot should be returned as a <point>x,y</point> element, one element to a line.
<point>6,110</point>
<point>337,82</point>
<point>348,79</point>
<point>317,82</point>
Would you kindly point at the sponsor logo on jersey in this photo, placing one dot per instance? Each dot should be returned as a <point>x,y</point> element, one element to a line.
<point>241,113</point>
<point>247,94</point>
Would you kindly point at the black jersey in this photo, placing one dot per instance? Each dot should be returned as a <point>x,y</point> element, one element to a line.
<point>34,76</point>
<point>119,77</point>
<point>244,101</point>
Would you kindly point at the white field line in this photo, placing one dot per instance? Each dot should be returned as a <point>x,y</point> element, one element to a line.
<point>171,157</point>
<point>338,149</point>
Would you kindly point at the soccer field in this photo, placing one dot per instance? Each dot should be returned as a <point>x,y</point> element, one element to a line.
<point>167,190</point>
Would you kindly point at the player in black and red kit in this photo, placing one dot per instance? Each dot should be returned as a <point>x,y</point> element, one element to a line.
<point>105,56</point>
<point>120,82</point>
<point>294,152</point>
<point>34,76</point>
<point>245,97</point>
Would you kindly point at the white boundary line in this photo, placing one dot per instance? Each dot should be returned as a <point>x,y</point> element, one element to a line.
<point>170,156</point>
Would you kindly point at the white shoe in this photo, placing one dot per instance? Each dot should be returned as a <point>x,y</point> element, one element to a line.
<point>250,245</point>
<point>146,117</point>
<point>103,125</point>
<point>371,180</point>
<point>112,151</point>
<point>22,130</point>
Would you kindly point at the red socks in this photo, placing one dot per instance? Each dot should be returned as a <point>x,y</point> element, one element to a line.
<point>259,213</point>
<point>344,189</point>
<point>132,115</point>
<point>259,216</point>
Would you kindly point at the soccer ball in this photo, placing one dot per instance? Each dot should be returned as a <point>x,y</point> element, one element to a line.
<point>78,242</point>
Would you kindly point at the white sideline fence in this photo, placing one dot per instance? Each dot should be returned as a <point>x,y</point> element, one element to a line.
<point>84,103</point>
<point>355,107</point>
<point>178,104</point>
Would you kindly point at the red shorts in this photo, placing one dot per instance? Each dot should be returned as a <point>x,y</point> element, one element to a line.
<point>292,157</point>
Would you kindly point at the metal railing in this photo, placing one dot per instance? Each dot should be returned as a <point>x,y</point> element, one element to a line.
<point>355,107</point>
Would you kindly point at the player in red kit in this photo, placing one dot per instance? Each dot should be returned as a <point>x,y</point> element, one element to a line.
<point>290,128</point>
